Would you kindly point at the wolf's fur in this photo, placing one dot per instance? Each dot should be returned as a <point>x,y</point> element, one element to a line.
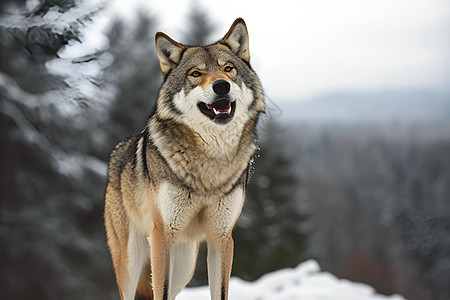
<point>182,179</point>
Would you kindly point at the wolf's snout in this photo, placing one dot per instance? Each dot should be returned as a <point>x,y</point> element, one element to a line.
<point>221,87</point>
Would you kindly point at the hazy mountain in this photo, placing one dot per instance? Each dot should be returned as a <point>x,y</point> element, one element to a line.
<point>377,107</point>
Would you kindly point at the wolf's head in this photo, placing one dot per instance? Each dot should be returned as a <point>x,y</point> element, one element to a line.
<point>211,85</point>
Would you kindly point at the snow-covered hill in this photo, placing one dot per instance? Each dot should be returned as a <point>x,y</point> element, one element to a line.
<point>305,282</point>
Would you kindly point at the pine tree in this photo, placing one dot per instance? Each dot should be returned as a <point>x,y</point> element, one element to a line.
<point>269,233</point>
<point>133,77</point>
<point>199,28</point>
<point>50,187</point>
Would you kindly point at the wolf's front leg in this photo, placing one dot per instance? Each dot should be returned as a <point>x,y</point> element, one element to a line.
<point>220,218</point>
<point>182,262</point>
<point>160,262</point>
<point>220,258</point>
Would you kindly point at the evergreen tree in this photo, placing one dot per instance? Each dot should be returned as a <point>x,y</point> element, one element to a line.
<point>199,28</point>
<point>133,77</point>
<point>51,243</point>
<point>269,233</point>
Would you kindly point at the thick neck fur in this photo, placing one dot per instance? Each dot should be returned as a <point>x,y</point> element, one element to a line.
<point>213,160</point>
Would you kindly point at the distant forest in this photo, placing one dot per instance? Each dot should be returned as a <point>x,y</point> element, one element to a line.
<point>369,201</point>
<point>377,197</point>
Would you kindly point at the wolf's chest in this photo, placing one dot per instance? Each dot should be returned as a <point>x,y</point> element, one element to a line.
<point>210,162</point>
<point>209,174</point>
<point>191,214</point>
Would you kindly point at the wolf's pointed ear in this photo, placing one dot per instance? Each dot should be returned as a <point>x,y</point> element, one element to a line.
<point>169,52</point>
<point>237,39</point>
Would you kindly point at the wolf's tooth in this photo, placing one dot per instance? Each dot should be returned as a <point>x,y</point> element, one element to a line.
<point>215,111</point>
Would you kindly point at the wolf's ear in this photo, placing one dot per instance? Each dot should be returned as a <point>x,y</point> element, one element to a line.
<point>169,52</point>
<point>237,39</point>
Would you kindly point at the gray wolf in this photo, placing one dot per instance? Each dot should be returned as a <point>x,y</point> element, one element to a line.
<point>182,179</point>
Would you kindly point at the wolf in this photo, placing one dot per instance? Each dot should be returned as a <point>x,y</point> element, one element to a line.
<point>182,179</point>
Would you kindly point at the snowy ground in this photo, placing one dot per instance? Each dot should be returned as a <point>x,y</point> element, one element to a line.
<point>305,282</point>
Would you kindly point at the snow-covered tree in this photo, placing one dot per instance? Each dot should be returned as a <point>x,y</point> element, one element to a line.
<point>51,186</point>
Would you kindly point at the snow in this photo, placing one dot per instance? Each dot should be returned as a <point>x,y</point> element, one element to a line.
<point>305,282</point>
<point>81,77</point>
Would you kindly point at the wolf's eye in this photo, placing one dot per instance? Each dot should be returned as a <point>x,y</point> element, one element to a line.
<point>196,74</point>
<point>228,69</point>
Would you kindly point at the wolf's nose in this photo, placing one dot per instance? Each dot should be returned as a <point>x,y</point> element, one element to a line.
<point>221,87</point>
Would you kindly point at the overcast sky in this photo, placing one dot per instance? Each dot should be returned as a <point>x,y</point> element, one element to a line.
<point>305,48</point>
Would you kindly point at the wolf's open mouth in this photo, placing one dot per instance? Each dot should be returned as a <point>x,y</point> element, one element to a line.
<point>220,111</point>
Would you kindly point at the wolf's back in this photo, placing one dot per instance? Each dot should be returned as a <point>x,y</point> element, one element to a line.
<point>120,156</point>
<point>116,219</point>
